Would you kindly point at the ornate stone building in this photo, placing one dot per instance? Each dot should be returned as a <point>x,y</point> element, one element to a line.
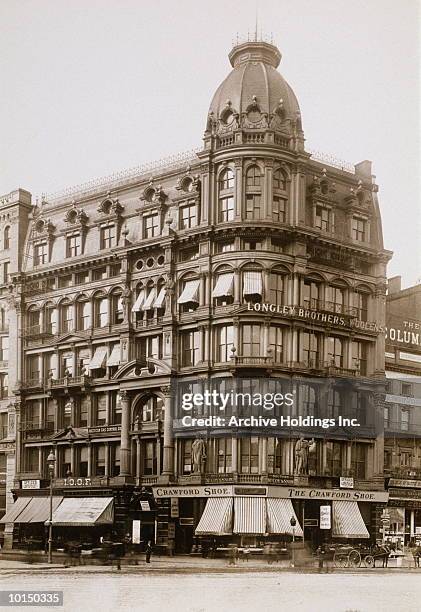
<point>250,259</point>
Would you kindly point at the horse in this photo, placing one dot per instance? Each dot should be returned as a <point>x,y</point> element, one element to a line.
<point>381,552</point>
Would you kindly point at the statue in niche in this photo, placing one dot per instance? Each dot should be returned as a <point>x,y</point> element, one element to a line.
<point>198,451</point>
<point>301,455</point>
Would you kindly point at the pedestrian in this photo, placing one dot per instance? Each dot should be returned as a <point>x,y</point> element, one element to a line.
<point>233,554</point>
<point>148,551</point>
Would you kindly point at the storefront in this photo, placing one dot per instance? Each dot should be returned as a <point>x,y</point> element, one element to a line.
<point>253,515</point>
<point>404,512</point>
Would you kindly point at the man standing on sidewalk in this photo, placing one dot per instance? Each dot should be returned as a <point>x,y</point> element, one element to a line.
<point>148,551</point>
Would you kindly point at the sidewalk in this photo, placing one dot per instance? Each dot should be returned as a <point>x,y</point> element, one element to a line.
<point>188,564</point>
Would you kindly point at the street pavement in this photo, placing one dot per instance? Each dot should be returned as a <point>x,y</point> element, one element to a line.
<point>133,588</point>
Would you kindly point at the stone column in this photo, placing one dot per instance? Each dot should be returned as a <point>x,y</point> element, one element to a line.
<point>107,459</point>
<point>237,286</point>
<point>138,447</point>
<point>124,439</point>
<point>89,459</point>
<point>234,453</point>
<point>72,459</point>
<point>168,467</point>
<point>264,455</point>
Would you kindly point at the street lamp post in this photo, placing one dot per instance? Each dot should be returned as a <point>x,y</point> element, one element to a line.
<point>51,460</point>
<point>293,522</point>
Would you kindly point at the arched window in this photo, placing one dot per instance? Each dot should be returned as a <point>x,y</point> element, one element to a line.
<point>33,319</point>
<point>117,313</point>
<point>100,311</point>
<point>279,180</point>
<point>226,196</point>
<point>276,288</point>
<point>66,316</point>
<point>83,314</point>
<point>50,319</point>
<point>253,193</point>
<point>252,284</point>
<point>151,409</point>
<point>6,238</point>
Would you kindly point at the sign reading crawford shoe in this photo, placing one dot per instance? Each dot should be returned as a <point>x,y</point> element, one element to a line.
<point>270,491</point>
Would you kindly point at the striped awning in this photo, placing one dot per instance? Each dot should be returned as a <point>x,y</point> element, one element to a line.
<point>279,513</point>
<point>190,292</point>
<point>249,515</point>
<point>148,303</point>
<point>216,518</point>
<point>98,360</point>
<point>347,521</point>
<point>160,299</point>
<point>84,512</point>
<point>137,306</point>
<point>114,358</point>
<point>223,285</point>
<point>38,510</point>
<point>15,510</point>
<point>252,283</point>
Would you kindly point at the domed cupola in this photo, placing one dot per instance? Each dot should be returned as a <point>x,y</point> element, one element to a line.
<point>254,104</point>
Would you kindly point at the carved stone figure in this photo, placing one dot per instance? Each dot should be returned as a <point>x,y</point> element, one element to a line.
<point>198,450</point>
<point>301,456</point>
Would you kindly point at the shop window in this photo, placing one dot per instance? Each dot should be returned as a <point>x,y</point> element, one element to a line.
<point>99,274</point>
<point>223,447</point>
<point>4,386</point>
<point>387,459</point>
<point>117,309</point>
<point>386,416</point>
<point>6,238</point>
<point>67,413</point>
<point>189,254</point>
<point>101,311</point>
<point>83,316</point>
<point>51,320</point>
<point>335,299</point>
<point>359,357</point>
<point>361,305</point>
<point>276,288</point>
<point>4,348</point>
<point>307,398</point>
<point>81,278</point>
<point>225,247</point>
<point>66,312</point>
<point>253,206</point>
<point>65,281</point>
<point>6,271</point>
<point>404,419</point>
<point>187,466</point>
<point>226,180</point>
<point>334,404</point>
<point>65,467</point>
<point>84,411</point>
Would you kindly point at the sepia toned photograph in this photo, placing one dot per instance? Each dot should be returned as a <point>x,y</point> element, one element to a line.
<point>210,305</point>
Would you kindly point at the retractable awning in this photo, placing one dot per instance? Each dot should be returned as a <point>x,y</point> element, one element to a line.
<point>38,510</point>
<point>190,292</point>
<point>252,283</point>
<point>114,358</point>
<point>223,287</point>
<point>150,299</point>
<point>137,306</point>
<point>98,360</point>
<point>249,515</point>
<point>160,299</point>
<point>279,514</point>
<point>216,518</point>
<point>15,510</point>
<point>347,521</point>
<point>84,512</point>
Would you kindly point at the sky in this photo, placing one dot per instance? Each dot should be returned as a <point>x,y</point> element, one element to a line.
<point>90,87</point>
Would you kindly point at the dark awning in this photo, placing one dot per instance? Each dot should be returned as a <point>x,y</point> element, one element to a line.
<point>15,510</point>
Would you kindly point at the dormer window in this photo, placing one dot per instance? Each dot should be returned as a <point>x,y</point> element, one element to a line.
<point>322,218</point>
<point>73,245</point>
<point>40,253</point>
<point>359,229</point>
<point>151,226</point>
<point>188,217</point>
<point>108,236</point>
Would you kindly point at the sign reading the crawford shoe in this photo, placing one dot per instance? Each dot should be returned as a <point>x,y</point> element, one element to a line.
<point>271,491</point>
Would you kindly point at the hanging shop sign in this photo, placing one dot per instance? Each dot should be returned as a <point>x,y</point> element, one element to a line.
<point>325,517</point>
<point>401,332</point>
<point>105,429</point>
<point>171,531</point>
<point>400,482</point>
<point>175,512</point>
<point>346,482</point>
<point>144,506</point>
<point>136,532</point>
<point>31,484</point>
